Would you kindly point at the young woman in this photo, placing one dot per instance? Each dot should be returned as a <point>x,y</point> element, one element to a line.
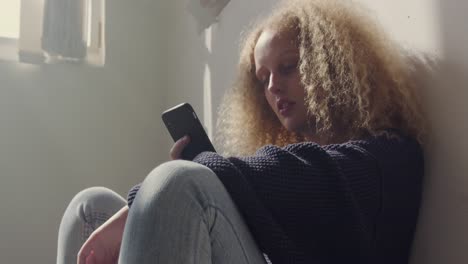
<point>324,132</point>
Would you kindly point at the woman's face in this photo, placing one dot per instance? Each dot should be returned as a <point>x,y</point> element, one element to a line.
<point>276,58</point>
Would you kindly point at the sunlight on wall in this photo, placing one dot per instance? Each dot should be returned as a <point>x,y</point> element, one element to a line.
<point>207,105</point>
<point>9,18</point>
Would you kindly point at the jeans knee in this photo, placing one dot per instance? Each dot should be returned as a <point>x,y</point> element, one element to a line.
<point>175,178</point>
<point>95,199</point>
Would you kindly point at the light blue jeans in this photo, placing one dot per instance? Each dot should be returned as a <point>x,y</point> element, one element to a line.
<point>182,214</point>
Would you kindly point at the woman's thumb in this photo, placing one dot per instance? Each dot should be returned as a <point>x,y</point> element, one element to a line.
<point>178,147</point>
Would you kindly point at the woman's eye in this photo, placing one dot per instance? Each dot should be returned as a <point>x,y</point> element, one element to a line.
<point>288,68</point>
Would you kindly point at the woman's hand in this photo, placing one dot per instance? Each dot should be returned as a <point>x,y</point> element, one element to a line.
<point>178,147</point>
<point>103,245</point>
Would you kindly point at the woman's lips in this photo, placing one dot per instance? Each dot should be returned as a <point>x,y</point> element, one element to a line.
<point>285,107</point>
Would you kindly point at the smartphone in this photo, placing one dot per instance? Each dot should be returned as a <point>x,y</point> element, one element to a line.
<point>182,120</point>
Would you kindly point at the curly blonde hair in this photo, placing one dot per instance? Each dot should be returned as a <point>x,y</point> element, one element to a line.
<point>357,81</point>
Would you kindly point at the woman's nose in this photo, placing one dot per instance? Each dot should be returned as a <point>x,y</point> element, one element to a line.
<point>274,84</point>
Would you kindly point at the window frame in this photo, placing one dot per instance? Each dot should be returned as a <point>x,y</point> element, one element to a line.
<point>17,50</point>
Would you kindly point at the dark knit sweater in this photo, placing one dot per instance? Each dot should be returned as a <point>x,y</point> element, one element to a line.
<point>355,202</point>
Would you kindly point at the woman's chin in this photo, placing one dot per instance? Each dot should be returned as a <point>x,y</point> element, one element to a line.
<point>290,126</point>
<point>295,127</point>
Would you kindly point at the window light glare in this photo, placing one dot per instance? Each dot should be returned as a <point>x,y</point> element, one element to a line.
<point>9,18</point>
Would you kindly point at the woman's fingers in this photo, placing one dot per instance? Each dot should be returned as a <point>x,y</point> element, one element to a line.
<point>91,258</point>
<point>178,147</point>
<point>83,257</point>
<point>85,250</point>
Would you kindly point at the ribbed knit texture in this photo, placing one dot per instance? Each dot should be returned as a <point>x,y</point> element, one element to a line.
<point>355,202</point>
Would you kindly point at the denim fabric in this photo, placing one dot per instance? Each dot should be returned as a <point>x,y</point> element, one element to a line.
<point>182,214</point>
<point>87,211</point>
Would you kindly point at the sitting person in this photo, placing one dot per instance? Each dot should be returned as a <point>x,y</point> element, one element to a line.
<point>323,133</point>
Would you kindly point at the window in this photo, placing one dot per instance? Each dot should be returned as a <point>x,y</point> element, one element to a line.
<point>9,13</point>
<point>52,31</point>
<point>9,28</point>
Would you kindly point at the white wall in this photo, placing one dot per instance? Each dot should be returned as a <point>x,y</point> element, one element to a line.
<point>68,127</point>
<point>436,27</point>
<point>443,233</point>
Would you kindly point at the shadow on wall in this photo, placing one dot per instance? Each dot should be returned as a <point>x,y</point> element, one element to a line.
<point>442,235</point>
<point>225,47</point>
<point>186,63</point>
